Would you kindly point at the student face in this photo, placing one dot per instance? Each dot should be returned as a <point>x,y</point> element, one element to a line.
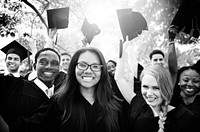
<point>111,68</point>
<point>88,78</point>
<point>65,59</point>
<point>12,62</point>
<point>189,82</point>
<point>157,59</point>
<point>150,91</point>
<point>47,66</point>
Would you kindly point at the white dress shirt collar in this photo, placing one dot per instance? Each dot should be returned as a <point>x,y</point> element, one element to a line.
<point>14,74</point>
<point>43,87</point>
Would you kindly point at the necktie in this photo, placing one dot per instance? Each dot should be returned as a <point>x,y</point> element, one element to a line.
<point>49,92</point>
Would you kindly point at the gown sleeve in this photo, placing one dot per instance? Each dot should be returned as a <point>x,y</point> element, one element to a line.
<point>10,85</point>
<point>46,118</point>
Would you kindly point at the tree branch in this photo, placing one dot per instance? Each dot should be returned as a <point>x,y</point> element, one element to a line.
<point>37,12</point>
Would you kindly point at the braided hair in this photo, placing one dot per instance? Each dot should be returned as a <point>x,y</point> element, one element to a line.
<point>165,84</point>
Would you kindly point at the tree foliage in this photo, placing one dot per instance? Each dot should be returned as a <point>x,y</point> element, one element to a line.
<point>27,19</point>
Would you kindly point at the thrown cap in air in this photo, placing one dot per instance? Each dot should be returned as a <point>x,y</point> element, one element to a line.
<point>131,23</point>
<point>58,18</point>
<point>89,30</point>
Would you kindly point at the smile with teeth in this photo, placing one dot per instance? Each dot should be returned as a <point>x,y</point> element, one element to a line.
<point>87,79</point>
<point>48,74</point>
<point>150,99</point>
<point>189,89</point>
<point>11,65</point>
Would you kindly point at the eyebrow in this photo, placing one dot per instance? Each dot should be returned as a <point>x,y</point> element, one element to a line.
<point>95,63</point>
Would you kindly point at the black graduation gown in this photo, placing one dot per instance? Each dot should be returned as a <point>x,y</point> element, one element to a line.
<point>194,107</point>
<point>49,118</point>
<point>18,98</point>
<point>179,119</point>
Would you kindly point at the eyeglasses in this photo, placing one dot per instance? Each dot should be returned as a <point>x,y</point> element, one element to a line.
<point>93,67</point>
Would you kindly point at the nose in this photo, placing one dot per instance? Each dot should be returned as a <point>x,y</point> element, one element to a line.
<point>48,66</point>
<point>149,92</point>
<point>190,83</point>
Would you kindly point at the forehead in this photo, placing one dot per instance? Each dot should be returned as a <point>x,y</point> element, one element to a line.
<point>48,55</point>
<point>110,63</point>
<point>191,73</point>
<point>157,56</point>
<point>149,80</point>
<point>13,55</point>
<point>89,57</point>
<point>65,56</point>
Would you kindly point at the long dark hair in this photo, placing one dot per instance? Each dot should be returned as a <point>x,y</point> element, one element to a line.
<point>68,95</point>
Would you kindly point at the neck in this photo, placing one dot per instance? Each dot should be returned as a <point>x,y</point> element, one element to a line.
<point>188,100</point>
<point>12,71</point>
<point>64,70</point>
<point>88,94</point>
<point>49,84</point>
<point>156,110</point>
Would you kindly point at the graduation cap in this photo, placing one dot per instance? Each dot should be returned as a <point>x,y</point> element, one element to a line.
<point>131,23</point>
<point>16,48</point>
<point>89,30</point>
<point>188,17</point>
<point>58,18</point>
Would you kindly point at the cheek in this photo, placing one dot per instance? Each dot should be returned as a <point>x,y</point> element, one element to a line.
<point>77,73</point>
<point>160,100</point>
<point>181,82</point>
<point>143,91</point>
<point>158,95</point>
<point>57,68</point>
<point>197,85</point>
<point>98,75</point>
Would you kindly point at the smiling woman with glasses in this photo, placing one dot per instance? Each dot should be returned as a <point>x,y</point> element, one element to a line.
<point>85,103</point>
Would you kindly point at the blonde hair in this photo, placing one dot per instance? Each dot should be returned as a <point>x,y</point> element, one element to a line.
<point>165,84</point>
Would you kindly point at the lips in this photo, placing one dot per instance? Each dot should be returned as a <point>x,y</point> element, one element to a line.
<point>150,99</point>
<point>189,90</point>
<point>11,65</point>
<point>87,79</point>
<point>48,74</point>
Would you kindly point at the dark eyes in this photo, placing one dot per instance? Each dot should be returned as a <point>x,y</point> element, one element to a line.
<point>45,62</point>
<point>153,87</point>
<point>15,59</point>
<point>158,59</point>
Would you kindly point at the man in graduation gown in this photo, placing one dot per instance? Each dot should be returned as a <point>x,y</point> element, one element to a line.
<point>15,54</point>
<point>19,97</point>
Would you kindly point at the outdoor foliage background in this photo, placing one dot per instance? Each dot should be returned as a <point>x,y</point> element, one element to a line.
<point>27,20</point>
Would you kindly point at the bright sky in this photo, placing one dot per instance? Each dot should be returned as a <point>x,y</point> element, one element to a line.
<point>99,12</point>
<point>103,13</point>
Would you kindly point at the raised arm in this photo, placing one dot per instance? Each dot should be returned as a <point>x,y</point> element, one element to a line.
<point>172,58</point>
<point>124,87</point>
<point>50,41</point>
